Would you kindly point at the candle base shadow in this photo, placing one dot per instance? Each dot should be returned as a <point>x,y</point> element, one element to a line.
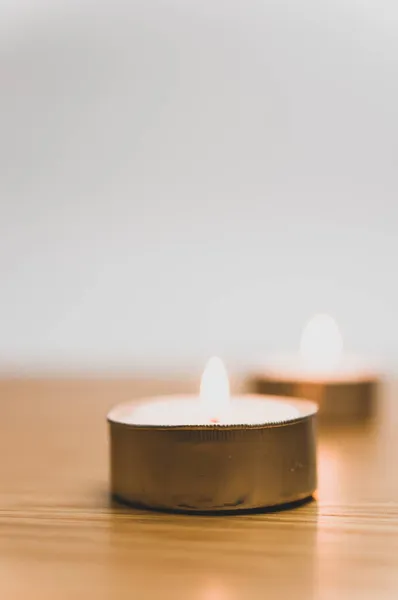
<point>118,502</point>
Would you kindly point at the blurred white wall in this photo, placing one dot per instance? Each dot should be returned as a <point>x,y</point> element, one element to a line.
<point>181,178</point>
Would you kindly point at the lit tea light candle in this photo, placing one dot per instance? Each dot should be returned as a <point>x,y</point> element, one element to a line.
<point>213,406</point>
<point>321,372</point>
<point>213,452</point>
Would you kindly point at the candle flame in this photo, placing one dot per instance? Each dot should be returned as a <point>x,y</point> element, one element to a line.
<point>214,388</point>
<point>321,344</point>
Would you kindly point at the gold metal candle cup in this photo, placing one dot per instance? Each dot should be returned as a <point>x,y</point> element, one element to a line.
<point>348,399</point>
<point>215,467</point>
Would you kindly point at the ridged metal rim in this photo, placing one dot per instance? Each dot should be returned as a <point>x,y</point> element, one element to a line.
<point>307,407</point>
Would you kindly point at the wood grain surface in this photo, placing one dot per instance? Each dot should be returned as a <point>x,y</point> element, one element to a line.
<point>62,538</point>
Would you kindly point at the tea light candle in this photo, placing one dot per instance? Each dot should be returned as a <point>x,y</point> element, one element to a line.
<point>213,452</point>
<point>321,372</point>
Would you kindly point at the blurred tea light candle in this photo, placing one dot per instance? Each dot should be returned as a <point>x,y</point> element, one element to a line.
<point>212,451</point>
<point>342,387</point>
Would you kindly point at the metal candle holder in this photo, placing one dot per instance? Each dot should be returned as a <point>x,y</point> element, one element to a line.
<point>211,468</point>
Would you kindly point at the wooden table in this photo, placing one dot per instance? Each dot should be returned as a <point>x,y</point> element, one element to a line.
<point>61,538</point>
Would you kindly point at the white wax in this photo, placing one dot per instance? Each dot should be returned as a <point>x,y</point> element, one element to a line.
<point>293,367</point>
<point>189,410</point>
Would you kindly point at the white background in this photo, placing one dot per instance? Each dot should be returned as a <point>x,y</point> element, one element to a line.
<point>182,178</point>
